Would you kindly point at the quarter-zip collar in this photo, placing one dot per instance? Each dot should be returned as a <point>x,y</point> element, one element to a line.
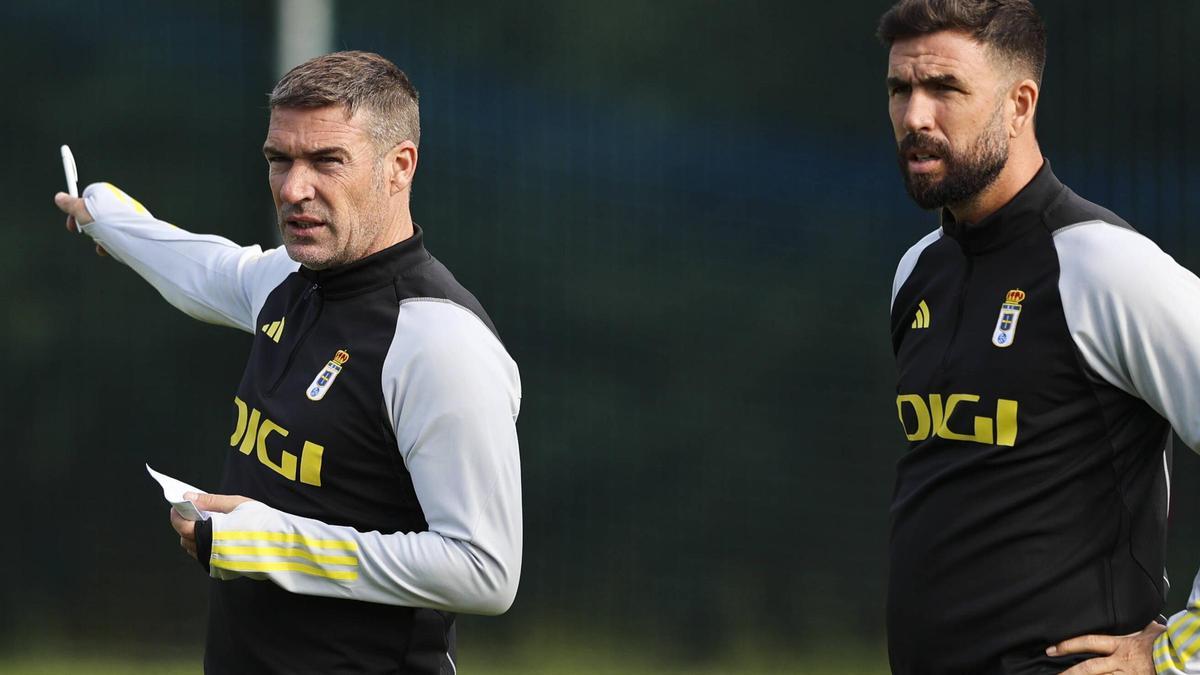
<point>1010,222</point>
<point>371,272</point>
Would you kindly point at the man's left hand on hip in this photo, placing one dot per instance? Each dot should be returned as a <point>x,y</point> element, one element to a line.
<point>1131,654</point>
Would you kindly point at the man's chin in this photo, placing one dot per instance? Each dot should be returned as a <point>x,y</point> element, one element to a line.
<point>312,256</point>
<point>925,192</point>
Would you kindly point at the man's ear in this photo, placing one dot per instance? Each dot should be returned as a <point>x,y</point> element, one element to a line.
<point>1022,102</point>
<point>401,166</point>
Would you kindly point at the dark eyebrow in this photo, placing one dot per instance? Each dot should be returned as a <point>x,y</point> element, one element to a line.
<point>944,79</point>
<point>331,150</point>
<point>270,150</point>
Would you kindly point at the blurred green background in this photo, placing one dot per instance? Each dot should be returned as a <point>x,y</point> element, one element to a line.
<point>683,217</point>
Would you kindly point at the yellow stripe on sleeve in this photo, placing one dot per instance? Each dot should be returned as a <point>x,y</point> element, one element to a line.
<point>279,551</point>
<point>135,204</point>
<point>1185,630</point>
<point>1165,656</point>
<point>286,538</point>
<point>240,566</point>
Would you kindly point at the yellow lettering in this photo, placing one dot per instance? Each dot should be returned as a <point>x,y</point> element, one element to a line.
<point>921,412</point>
<point>935,411</point>
<point>983,425</point>
<point>310,463</point>
<point>934,419</point>
<point>1006,422</point>
<point>251,432</point>
<point>287,465</point>
<point>240,427</point>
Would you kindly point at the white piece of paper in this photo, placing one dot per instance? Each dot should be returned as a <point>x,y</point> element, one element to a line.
<point>173,491</point>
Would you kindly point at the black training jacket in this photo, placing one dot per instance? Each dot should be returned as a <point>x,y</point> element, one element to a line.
<point>374,428</point>
<point>1043,355</point>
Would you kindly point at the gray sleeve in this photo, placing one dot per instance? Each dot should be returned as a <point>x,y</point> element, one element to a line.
<point>207,277</point>
<point>1177,650</point>
<point>1134,315</point>
<point>452,395</point>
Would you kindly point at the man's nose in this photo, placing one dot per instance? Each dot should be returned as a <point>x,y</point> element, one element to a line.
<point>918,114</point>
<point>297,184</point>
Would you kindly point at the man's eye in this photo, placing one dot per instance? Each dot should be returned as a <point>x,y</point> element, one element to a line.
<point>328,160</point>
<point>277,159</point>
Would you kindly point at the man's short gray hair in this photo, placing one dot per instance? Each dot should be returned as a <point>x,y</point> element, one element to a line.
<point>359,81</point>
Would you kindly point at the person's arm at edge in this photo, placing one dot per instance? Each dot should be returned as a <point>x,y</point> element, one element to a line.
<point>207,277</point>
<point>1135,315</point>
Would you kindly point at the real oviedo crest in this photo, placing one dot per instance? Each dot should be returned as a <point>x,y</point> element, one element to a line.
<point>326,376</point>
<point>1006,325</point>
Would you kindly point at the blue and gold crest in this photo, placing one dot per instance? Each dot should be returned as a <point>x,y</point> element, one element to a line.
<point>1006,325</point>
<point>328,373</point>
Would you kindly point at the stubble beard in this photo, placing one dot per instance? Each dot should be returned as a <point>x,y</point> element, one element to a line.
<point>359,236</point>
<point>965,174</point>
<point>309,251</point>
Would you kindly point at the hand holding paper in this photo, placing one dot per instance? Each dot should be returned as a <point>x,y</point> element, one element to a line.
<point>173,492</point>
<point>190,504</point>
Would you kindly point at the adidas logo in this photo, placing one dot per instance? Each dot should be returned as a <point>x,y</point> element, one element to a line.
<point>274,330</point>
<point>921,320</point>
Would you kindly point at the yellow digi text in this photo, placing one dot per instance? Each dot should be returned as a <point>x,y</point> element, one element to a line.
<point>252,432</point>
<point>933,419</point>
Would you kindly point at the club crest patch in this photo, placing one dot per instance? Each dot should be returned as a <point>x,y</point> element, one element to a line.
<point>328,373</point>
<point>1006,325</point>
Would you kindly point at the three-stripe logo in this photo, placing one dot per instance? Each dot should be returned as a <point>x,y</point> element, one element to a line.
<point>922,318</point>
<point>246,551</point>
<point>274,330</point>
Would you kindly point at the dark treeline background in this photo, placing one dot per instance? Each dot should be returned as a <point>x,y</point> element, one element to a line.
<point>684,218</point>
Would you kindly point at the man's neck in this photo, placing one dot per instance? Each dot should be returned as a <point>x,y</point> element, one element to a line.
<point>1015,176</point>
<point>399,228</point>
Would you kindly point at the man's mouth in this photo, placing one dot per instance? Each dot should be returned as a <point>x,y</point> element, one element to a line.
<point>303,224</point>
<point>923,162</point>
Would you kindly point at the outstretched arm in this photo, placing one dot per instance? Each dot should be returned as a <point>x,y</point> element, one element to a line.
<point>207,277</point>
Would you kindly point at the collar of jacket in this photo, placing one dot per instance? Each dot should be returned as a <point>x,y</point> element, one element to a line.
<point>374,271</point>
<point>1010,222</point>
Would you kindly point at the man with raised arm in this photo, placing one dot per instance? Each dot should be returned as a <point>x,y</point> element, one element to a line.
<point>372,481</point>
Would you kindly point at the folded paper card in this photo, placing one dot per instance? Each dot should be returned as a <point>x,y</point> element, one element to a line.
<point>173,491</point>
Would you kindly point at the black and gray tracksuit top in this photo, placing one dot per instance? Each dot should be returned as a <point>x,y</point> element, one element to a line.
<point>1043,356</point>
<point>374,427</point>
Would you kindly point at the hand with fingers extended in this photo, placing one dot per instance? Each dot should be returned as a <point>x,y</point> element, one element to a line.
<point>77,214</point>
<point>1125,654</point>
<point>204,502</point>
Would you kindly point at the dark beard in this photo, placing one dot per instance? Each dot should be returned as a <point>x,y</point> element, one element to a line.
<point>965,175</point>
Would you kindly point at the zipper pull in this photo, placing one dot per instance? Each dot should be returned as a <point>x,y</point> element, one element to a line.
<point>310,290</point>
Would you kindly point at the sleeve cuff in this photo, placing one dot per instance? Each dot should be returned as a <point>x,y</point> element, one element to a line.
<point>203,543</point>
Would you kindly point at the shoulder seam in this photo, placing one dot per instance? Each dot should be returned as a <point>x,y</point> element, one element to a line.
<point>446,301</point>
<point>1064,228</point>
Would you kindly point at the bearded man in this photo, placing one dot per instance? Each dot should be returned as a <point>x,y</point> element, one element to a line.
<point>1044,352</point>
